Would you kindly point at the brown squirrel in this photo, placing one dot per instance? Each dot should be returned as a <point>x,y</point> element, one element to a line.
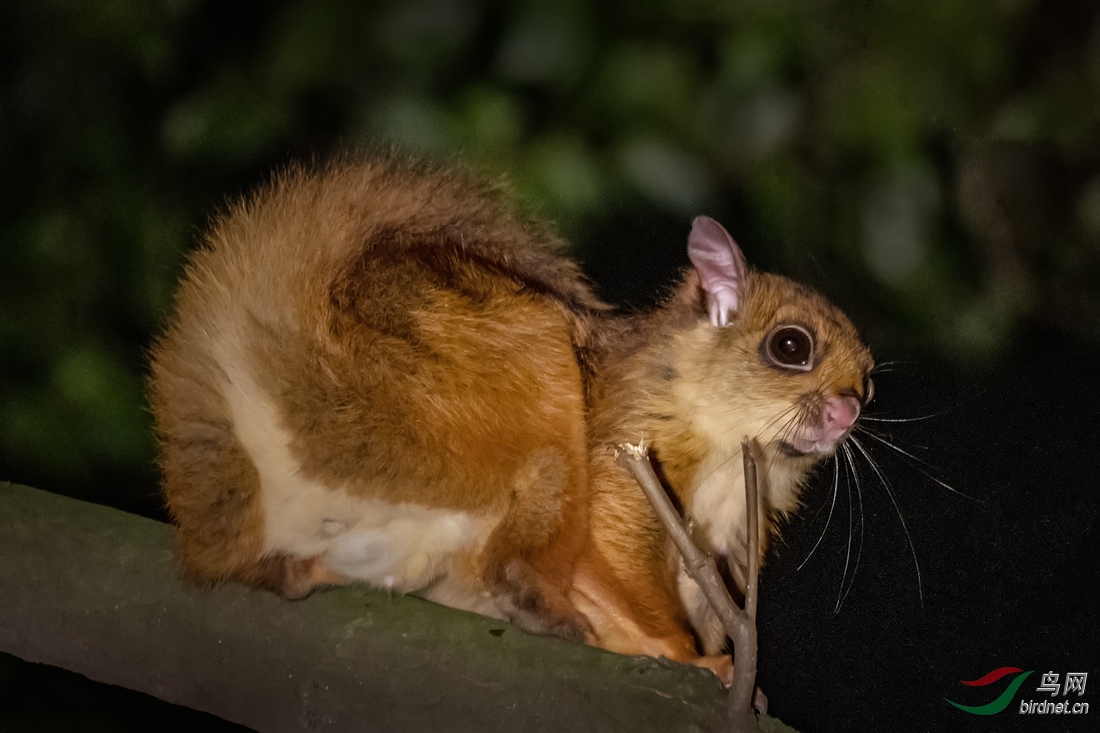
<point>377,371</point>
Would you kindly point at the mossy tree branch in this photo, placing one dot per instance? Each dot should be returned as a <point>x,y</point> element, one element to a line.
<point>94,590</point>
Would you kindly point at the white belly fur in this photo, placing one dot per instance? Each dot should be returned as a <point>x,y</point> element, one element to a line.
<point>402,547</point>
<point>718,509</point>
<point>718,502</point>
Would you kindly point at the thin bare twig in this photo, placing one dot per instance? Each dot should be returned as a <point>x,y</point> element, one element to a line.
<point>739,705</point>
<point>739,625</point>
<point>699,566</point>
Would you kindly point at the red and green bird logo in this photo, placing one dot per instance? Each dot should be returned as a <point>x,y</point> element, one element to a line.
<point>996,706</point>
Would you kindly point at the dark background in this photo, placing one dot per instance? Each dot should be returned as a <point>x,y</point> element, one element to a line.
<point>933,167</point>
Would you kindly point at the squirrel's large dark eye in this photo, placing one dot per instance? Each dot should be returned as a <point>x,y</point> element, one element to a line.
<point>791,347</point>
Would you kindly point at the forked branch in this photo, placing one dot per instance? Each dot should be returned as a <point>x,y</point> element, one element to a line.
<point>740,625</point>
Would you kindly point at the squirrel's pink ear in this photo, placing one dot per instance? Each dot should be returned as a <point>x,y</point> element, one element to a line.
<point>720,265</point>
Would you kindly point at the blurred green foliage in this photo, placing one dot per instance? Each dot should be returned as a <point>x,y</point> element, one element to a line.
<point>934,166</point>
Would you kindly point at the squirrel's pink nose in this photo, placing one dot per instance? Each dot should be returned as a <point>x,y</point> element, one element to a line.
<point>838,416</point>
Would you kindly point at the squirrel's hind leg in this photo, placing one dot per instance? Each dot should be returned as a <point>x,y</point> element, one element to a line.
<point>529,559</point>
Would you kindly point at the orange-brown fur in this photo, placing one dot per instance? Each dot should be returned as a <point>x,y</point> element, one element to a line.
<point>394,334</point>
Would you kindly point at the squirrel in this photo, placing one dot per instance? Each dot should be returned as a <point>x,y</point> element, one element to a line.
<point>377,371</point>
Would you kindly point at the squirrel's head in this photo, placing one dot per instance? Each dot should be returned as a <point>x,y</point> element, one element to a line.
<point>765,356</point>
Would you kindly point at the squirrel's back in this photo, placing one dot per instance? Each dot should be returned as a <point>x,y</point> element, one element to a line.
<point>368,346</point>
<point>278,253</point>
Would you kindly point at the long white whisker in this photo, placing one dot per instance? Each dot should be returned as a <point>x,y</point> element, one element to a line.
<point>790,427</point>
<point>825,504</point>
<point>832,506</point>
<point>897,508</point>
<point>876,434</point>
<point>737,452</point>
<point>777,418</point>
<point>922,462</point>
<point>872,418</point>
<point>848,551</point>
<point>862,524</point>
